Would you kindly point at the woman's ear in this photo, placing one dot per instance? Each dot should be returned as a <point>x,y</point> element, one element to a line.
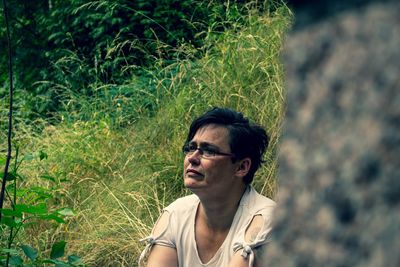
<point>243,167</point>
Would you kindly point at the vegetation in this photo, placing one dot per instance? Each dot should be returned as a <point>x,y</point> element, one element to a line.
<point>111,116</point>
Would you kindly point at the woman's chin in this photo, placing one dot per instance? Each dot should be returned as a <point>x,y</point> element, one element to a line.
<point>193,183</point>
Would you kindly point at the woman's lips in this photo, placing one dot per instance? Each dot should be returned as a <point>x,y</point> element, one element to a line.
<point>192,172</point>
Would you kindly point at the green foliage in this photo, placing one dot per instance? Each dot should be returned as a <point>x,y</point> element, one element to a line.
<point>30,252</point>
<point>57,251</point>
<point>65,50</point>
<point>34,259</point>
<point>27,207</point>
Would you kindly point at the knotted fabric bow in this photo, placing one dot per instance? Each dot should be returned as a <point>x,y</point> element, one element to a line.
<point>150,242</point>
<point>247,251</point>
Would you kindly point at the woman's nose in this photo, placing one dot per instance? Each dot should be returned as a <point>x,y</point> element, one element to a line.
<point>194,158</point>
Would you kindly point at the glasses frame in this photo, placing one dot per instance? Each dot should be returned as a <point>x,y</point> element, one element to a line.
<point>187,152</point>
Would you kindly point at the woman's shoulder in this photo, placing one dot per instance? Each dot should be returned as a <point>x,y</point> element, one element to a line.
<point>256,202</point>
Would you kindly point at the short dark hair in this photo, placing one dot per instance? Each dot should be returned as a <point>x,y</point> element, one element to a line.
<point>246,138</point>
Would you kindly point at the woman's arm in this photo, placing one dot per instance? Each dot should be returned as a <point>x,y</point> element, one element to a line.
<point>239,261</point>
<point>250,236</point>
<point>162,256</point>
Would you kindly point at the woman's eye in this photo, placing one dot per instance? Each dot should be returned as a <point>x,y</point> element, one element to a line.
<point>209,152</point>
<point>192,148</point>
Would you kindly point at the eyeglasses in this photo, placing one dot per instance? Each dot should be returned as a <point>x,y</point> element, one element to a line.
<point>205,152</point>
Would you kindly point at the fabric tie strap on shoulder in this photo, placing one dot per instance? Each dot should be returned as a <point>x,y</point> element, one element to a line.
<point>247,250</point>
<point>149,241</point>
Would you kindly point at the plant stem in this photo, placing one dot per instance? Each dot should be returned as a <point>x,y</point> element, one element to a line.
<point>10,72</point>
<point>13,202</point>
<point>9,135</point>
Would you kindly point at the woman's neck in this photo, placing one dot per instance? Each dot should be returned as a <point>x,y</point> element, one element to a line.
<point>218,214</point>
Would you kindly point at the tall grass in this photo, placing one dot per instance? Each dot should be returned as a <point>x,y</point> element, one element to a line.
<point>119,178</point>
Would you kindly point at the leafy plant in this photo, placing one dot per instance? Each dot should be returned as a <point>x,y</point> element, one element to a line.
<point>69,49</point>
<point>29,206</point>
<point>57,252</point>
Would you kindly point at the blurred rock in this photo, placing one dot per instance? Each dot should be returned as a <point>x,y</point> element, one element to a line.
<point>312,11</point>
<point>339,199</point>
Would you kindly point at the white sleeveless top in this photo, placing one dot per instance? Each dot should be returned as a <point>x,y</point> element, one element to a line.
<point>180,233</point>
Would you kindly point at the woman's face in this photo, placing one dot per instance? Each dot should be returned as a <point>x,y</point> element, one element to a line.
<point>210,175</point>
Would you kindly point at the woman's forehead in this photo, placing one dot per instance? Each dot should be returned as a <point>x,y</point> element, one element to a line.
<point>213,134</point>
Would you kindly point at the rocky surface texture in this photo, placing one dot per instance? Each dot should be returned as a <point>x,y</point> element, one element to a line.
<point>339,199</point>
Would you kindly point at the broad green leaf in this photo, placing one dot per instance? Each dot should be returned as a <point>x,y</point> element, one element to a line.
<point>16,260</point>
<point>10,212</point>
<point>42,155</point>
<point>66,212</point>
<point>57,263</point>
<point>30,252</point>
<point>11,176</point>
<point>74,260</point>
<point>57,250</point>
<point>53,217</point>
<point>32,209</point>
<point>62,264</point>
<point>9,250</point>
<point>10,222</point>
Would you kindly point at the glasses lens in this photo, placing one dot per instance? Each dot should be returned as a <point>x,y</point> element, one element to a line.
<point>189,148</point>
<point>209,153</point>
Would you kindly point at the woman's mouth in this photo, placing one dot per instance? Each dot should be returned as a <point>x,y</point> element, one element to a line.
<point>192,172</point>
